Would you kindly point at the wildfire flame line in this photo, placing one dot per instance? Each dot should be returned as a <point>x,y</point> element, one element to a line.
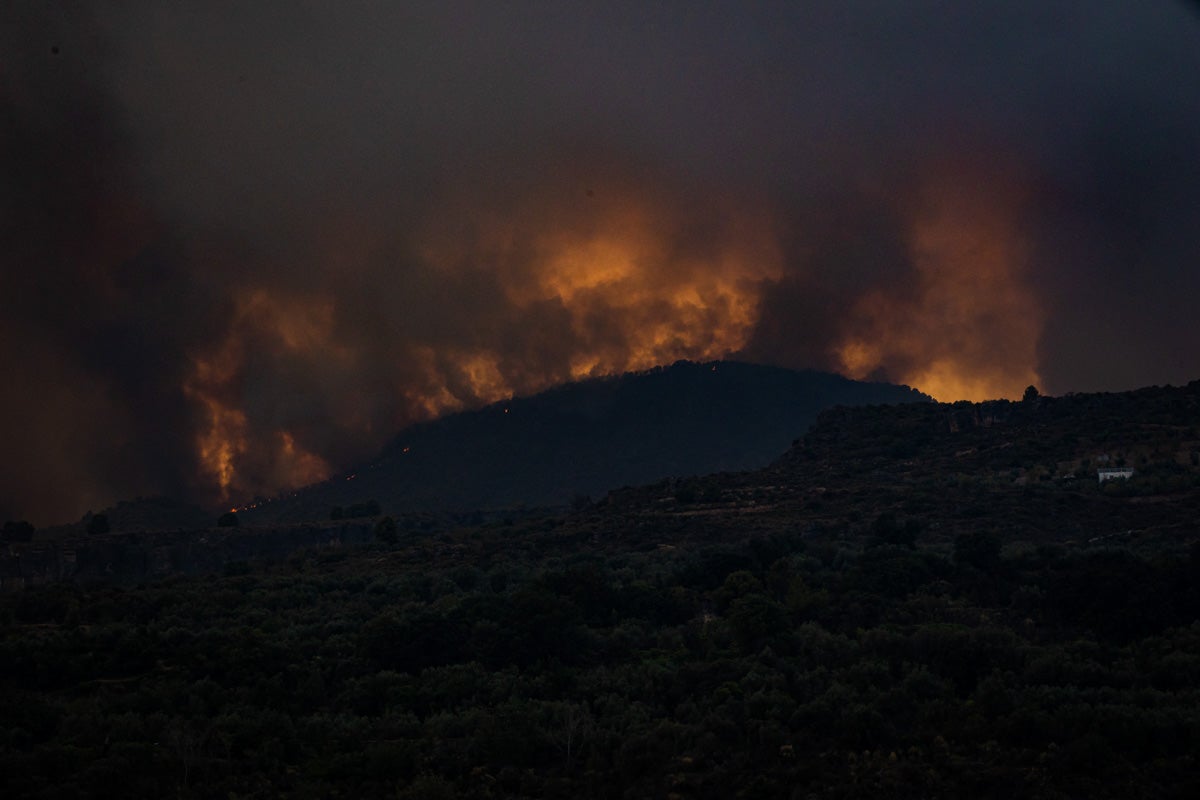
<point>614,289</point>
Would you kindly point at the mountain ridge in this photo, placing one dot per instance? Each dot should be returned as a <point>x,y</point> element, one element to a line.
<point>586,438</point>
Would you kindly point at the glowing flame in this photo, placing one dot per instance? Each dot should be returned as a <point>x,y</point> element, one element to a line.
<point>673,305</point>
<point>636,284</point>
<point>621,283</point>
<point>629,279</point>
<point>226,439</point>
<point>221,443</point>
<point>298,466</point>
<point>968,327</point>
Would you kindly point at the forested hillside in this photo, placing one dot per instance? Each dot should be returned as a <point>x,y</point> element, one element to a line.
<point>586,438</point>
<point>916,601</point>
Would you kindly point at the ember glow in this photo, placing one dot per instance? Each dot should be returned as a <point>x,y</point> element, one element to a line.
<point>967,328</point>
<point>625,274</point>
<point>262,327</point>
<point>242,251</point>
<point>609,286</point>
<point>635,275</point>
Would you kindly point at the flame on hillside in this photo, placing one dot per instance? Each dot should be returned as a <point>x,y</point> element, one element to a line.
<point>629,282</point>
<point>553,291</point>
<point>967,328</point>
<point>262,327</point>
<point>604,289</point>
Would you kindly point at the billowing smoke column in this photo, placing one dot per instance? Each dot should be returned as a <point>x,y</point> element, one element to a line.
<point>479,299</point>
<point>243,246</point>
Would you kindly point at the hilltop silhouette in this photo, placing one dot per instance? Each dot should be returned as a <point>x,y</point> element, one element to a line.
<point>583,439</point>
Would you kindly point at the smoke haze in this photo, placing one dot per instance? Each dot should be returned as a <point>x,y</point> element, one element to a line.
<point>241,245</point>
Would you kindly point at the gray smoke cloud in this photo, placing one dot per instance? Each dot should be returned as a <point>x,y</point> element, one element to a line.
<point>242,244</point>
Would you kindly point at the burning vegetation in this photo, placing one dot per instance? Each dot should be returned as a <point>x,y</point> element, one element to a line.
<point>240,262</point>
<point>489,300</point>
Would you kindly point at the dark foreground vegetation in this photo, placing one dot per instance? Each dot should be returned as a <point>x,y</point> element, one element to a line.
<point>951,607</point>
<point>773,668</point>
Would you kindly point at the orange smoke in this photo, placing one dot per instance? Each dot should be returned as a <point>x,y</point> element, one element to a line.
<point>299,467</point>
<point>968,326</point>
<point>226,437</point>
<point>701,308</point>
<point>621,282</point>
<point>221,442</point>
<point>614,270</point>
<point>553,289</point>
<point>639,281</point>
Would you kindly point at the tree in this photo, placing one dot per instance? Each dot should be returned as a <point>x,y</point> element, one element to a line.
<point>228,520</point>
<point>981,550</point>
<point>98,524</point>
<point>1031,394</point>
<point>18,531</point>
<point>386,530</point>
<point>754,618</point>
<point>370,508</point>
<point>886,529</point>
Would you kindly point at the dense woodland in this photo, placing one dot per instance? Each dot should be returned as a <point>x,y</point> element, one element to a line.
<point>917,601</point>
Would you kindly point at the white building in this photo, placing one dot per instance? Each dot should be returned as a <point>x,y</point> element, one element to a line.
<point>1114,472</point>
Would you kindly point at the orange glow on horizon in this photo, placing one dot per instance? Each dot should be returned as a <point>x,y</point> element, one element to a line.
<point>220,445</point>
<point>626,281</point>
<point>226,440</point>
<point>298,466</point>
<point>968,327</point>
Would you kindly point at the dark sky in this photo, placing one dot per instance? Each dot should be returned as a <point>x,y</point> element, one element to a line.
<point>243,243</point>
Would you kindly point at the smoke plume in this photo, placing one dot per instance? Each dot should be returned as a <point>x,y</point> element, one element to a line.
<point>242,245</point>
